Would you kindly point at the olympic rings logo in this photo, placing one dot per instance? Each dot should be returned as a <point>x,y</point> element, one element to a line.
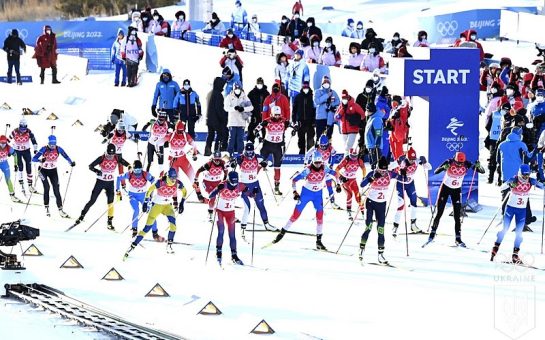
<point>23,33</point>
<point>447,28</point>
<point>454,146</point>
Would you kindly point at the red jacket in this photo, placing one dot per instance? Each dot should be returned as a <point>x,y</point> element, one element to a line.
<point>350,116</point>
<point>233,42</point>
<point>45,51</point>
<point>278,100</point>
<point>467,34</point>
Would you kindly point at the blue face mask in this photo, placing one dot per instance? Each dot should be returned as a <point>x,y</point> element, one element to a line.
<point>137,171</point>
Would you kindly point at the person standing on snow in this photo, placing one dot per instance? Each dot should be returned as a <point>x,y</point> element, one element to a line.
<point>45,53</point>
<point>5,151</point>
<point>216,119</point>
<point>117,59</point>
<point>180,26</point>
<point>239,109</point>
<point>257,96</point>
<point>188,107</point>
<point>349,114</point>
<point>239,17</point>
<point>14,47</point>
<point>298,73</point>
<point>349,29</point>
<point>304,116</point>
<point>132,53</point>
<point>164,95</point>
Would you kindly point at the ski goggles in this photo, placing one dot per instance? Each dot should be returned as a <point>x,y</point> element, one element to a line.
<point>137,171</point>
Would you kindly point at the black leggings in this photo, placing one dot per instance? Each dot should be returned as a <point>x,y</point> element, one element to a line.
<point>274,149</point>
<point>53,177</point>
<point>26,157</point>
<point>100,185</point>
<point>152,149</point>
<point>455,199</point>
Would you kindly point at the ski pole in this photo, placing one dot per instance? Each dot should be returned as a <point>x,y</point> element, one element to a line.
<point>286,149</point>
<point>253,236</point>
<point>468,194</point>
<point>428,188</point>
<point>104,213</point>
<point>270,185</point>
<point>30,196</point>
<point>496,214</point>
<point>287,193</point>
<point>390,202</point>
<point>6,130</point>
<point>436,202</point>
<point>405,217</point>
<point>67,185</point>
<point>212,229</point>
<point>354,220</point>
<point>53,127</point>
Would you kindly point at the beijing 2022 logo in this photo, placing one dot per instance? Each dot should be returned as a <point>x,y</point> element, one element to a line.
<point>455,141</point>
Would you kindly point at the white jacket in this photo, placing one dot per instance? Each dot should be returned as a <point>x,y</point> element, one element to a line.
<point>235,118</point>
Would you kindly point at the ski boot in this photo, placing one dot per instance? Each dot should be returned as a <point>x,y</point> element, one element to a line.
<point>47,212</point>
<point>22,187</point>
<point>349,212</point>
<point>131,248</point>
<point>158,237</point>
<point>14,198</point>
<point>80,219</point>
<point>414,228</point>
<point>277,189</point>
<point>394,229</point>
<point>218,256</point>
<point>381,258</point>
<point>362,250</point>
<point>169,247</point>
<point>269,227</point>
<point>279,236</point>
<point>31,189</point>
<point>494,251</point>
<point>134,233</point>
<point>459,242</point>
<point>62,213</point>
<point>333,204</point>
<point>235,259</point>
<point>210,215</point>
<point>110,224</point>
<point>516,259</point>
<point>243,230</point>
<point>431,237</point>
<point>319,244</point>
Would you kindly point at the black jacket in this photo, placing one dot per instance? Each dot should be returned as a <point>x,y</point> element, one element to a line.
<point>216,117</point>
<point>13,45</point>
<point>188,110</point>
<point>283,30</point>
<point>296,28</point>
<point>303,108</point>
<point>257,97</point>
<point>312,30</point>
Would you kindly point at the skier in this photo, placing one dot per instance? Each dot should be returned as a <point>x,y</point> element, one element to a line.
<point>47,172</point>
<point>5,151</point>
<point>272,134</point>
<point>138,184</point>
<point>250,165</point>
<point>178,140</point>
<point>118,137</point>
<point>455,168</point>
<point>493,127</point>
<point>328,153</point>
<point>405,185</point>
<point>375,204</point>
<point>227,193</point>
<point>346,172</point>
<point>105,181</point>
<point>158,137</point>
<point>215,172</point>
<point>22,137</point>
<point>314,175</point>
<point>162,203</point>
<point>519,187</point>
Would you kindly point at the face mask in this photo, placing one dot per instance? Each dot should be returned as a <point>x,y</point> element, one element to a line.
<point>424,37</point>
<point>133,33</point>
<point>155,17</point>
<point>187,87</point>
<point>372,50</point>
<point>145,19</point>
<point>328,45</point>
<point>367,90</point>
<point>395,38</point>
<point>284,21</point>
<point>230,35</point>
<point>352,25</point>
<point>325,85</point>
<point>137,171</point>
<point>376,78</point>
<point>182,18</point>
<point>344,101</point>
<point>473,37</point>
<point>463,39</point>
<point>296,16</point>
<point>165,78</point>
<point>509,92</point>
<point>309,24</point>
<point>48,32</point>
<point>132,38</point>
<point>359,28</point>
<point>259,86</point>
<point>254,20</point>
<point>494,90</point>
<point>305,90</point>
<point>232,56</point>
<point>237,92</point>
<point>315,44</point>
<point>297,59</point>
<point>540,99</point>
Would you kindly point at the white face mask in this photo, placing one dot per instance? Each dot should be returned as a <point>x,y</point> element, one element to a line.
<point>48,32</point>
<point>230,35</point>
<point>367,90</point>
<point>309,24</point>
<point>187,87</point>
<point>315,44</point>
<point>376,79</point>
<point>325,85</point>
<point>237,92</point>
<point>372,50</point>
<point>424,37</point>
<point>328,45</point>
<point>463,39</point>
<point>259,86</point>
<point>352,25</point>
<point>344,101</point>
<point>155,17</point>
<point>254,20</point>
<point>473,37</point>
<point>359,28</point>
<point>509,92</point>
<point>305,90</point>
<point>284,21</point>
<point>296,16</point>
<point>494,90</point>
<point>540,99</point>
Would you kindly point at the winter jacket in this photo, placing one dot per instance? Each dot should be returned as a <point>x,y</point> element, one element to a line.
<point>239,17</point>
<point>398,123</point>
<point>234,117</point>
<point>358,34</point>
<point>329,57</point>
<point>281,73</point>
<point>537,111</point>
<point>188,104</point>
<point>276,99</point>
<point>467,34</point>
<point>312,54</point>
<point>511,154</point>
<point>214,27</point>
<point>309,31</point>
<point>493,126</point>
<point>303,108</point>
<point>229,83</point>
<point>257,97</point>
<point>297,73</point>
<point>371,38</point>
<point>354,61</point>
<point>374,130</point>
<point>216,117</point>
<point>383,105</point>
<point>45,51</point>
<point>13,45</point>
<point>350,116</point>
<point>325,107</point>
<point>235,64</point>
<point>289,50</point>
<point>116,56</point>
<point>233,42</point>
<point>373,62</point>
<point>165,92</point>
<point>179,27</point>
<point>132,50</point>
<point>283,29</point>
<point>296,28</point>
<point>493,105</point>
<point>348,31</point>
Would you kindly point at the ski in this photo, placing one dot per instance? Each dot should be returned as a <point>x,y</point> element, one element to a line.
<point>287,232</point>
<point>267,245</point>
<point>327,251</point>
<point>427,242</point>
<point>173,242</point>
<point>389,265</point>
<point>523,265</point>
<point>72,226</point>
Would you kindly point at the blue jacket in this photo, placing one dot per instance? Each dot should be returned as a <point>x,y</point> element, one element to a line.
<point>126,177</point>
<point>511,154</point>
<point>320,102</point>
<point>297,73</point>
<point>374,130</point>
<point>537,111</point>
<point>189,105</point>
<point>230,83</point>
<point>116,53</point>
<point>37,156</point>
<point>382,105</point>
<point>165,92</point>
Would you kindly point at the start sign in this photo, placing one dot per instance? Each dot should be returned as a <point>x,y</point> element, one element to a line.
<point>431,76</point>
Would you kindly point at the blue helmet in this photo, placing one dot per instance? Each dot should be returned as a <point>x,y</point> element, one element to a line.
<point>524,170</point>
<point>233,178</point>
<point>317,158</point>
<point>249,150</point>
<point>323,142</point>
<point>172,173</point>
<point>52,140</point>
<point>540,92</point>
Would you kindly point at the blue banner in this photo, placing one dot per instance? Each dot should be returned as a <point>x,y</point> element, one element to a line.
<point>450,79</point>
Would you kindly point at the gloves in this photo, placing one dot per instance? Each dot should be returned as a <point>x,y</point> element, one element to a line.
<point>403,172</point>
<point>263,164</point>
<point>73,164</point>
<point>376,175</point>
<point>98,172</point>
<point>338,188</point>
<point>260,139</point>
<point>119,196</point>
<point>296,195</point>
<point>293,132</point>
<point>512,184</point>
<point>145,205</point>
<point>181,206</point>
<point>35,151</point>
<point>194,157</point>
<point>166,145</point>
<point>423,160</point>
<point>446,166</point>
<point>343,179</point>
<point>153,111</point>
<point>233,163</point>
<point>196,184</point>
<point>221,186</point>
<point>240,109</point>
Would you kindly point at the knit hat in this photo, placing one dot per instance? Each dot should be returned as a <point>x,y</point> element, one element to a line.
<point>300,52</point>
<point>517,130</point>
<point>345,95</point>
<point>411,154</point>
<point>306,83</point>
<point>383,163</point>
<point>187,82</point>
<point>260,81</point>
<point>325,79</point>
<point>350,21</point>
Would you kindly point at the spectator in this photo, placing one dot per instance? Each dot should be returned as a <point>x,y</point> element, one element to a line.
<point>257,96</point>
<point>359,33</point>
<point>312,29</point>
<point>230,58</point>
<point>216,119</point>
<point>304,114</point>
<point>366,96</point>
<point>281,70</point>
<point>239,110</point>
<point>136,21</point>
<point>45,53</point>
<point>253,29</point>
<point>117,59</point>
<point>330,56</point>
<point>371,38</point>
<point>304,43</point>
<point>231,41</point>
<point>159,26</point>
<point>378,83</point>
<point>298,73</point>
<point>326,102</point>
<point>313,53</point>
<point>276,98</point>
<point>373,133</point>
<point>356,58</point>
<point>350,115</point>
<point>14,46</point>
<point>239,17</point>
<point>230,78</point>
<point>512,96</point>
<point>422,40</point>
<point>392,45</point>
<point>297,8</point>
<point>296,27</point>
<point>214,26</point>
<point>166,90</point>
<point>132,53</point>
<point>288,48</point>
<point>398,125</point>
<point>382,103</point>
<point>147,17</point>
<point>402,51</point>
<point>373,61</point>
<point>180,25</point>
<point>284,24</point>
<point>469,38</point>
<point>188,106</point>
<point>349,29</point>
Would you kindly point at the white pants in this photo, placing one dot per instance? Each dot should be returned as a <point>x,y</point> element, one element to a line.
<point>349,140</point>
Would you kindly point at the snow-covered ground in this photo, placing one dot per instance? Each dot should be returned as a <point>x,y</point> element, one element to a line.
<point>436,292</point>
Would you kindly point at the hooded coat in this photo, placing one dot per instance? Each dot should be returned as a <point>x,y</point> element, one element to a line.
<point>511,154</point>
<point>257,97</point>
<point>350,116</point>
<point>374,130</point>
<point>13,45</point>
<point>45,51</point>
<point>165,91</point>
<point>216,117</point>
<point>309,31</point>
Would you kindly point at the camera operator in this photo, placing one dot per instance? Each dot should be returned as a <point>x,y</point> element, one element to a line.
<point>14,46</point>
